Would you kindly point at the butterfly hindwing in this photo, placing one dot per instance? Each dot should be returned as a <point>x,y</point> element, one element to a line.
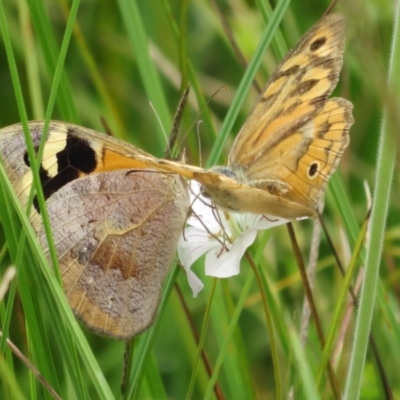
<point>306,166</point>
<point>115,235</point>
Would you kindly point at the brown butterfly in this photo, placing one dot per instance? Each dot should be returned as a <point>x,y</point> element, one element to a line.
<point>115,229</point>
<point>293,140</point>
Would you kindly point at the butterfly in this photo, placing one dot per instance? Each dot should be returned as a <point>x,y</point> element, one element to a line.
<point>116,212</point>
<point>115,228</point>
<point>293,139</point>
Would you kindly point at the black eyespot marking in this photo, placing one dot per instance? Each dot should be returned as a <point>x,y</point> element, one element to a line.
<point>50,185</point>
<point>77,154</point>
<point>44,178</point>
<point>318,43</point>
<point>313,169</point>
<point>26,159</point>
<point>76,158</point>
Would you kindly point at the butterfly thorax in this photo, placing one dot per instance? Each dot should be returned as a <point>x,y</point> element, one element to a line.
<point>271,184</point>
<point>230,200</point>
<point>233,173</point>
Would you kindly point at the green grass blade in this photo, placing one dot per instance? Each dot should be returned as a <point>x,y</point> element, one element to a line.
<point>383,183</point>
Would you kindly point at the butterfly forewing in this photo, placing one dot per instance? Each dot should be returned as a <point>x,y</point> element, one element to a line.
<point>295,92</point>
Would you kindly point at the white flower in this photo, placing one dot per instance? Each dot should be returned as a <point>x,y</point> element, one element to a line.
<point>222,236</point>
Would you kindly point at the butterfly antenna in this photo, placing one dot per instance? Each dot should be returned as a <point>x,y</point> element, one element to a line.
<point>176,122</point>
<point>159,121</point>
<point>330,7</point>
<point>106,126</point>
<point>201,112</point>
<point>199,141</point>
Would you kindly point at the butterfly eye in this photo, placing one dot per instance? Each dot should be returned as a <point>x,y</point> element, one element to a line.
<point>313,169</point>
<point>229,172</point>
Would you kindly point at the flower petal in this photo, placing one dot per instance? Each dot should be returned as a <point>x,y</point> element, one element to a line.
<point>204,211</point>
<point>239,229</point>
<point>227,263</point>
<point>192,244</point>
<point>194,282</point>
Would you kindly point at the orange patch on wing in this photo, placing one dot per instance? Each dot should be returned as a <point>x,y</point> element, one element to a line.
<point>113,161</point>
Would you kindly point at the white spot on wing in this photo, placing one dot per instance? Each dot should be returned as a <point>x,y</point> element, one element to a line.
<point>308,130</point>
<point>26,183</point>
<point>55,143</point>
